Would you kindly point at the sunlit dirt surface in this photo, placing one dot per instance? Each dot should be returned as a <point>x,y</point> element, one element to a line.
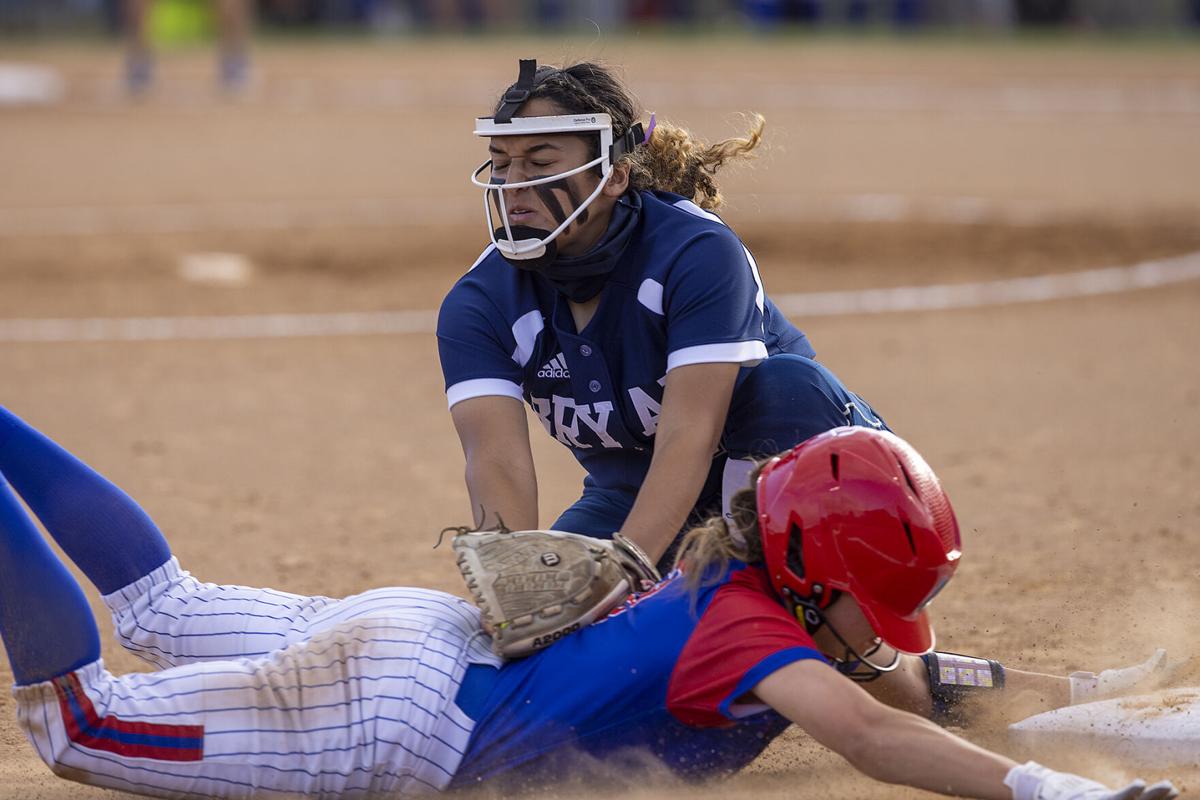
<point>1066,432</point>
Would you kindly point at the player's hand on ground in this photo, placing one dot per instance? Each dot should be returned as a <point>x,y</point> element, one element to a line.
<point>1138,790</point>
<point>1032,781</point>
<point>1180,672</point>
<point>1088,686</point>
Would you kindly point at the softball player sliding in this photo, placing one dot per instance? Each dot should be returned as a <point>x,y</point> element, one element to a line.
<point>395,690</point>
<point>626,314</point>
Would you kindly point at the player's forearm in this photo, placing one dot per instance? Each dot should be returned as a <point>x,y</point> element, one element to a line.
<point>903,748</point>
<point>887,744</point>
<point>677,473</point>
<point>504,489</point>
<point>908,688</point>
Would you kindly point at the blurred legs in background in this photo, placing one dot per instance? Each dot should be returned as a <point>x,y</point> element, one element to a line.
<point>139,60</point>
<point>233,18</point>
<point>234,26</point>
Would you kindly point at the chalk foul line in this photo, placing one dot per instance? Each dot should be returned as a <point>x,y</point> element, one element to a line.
<point>941,297</point>
<point>1034,289</point>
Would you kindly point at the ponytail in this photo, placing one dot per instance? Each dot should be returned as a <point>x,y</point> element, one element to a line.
<point>674,161</point>
<point>707,549</point>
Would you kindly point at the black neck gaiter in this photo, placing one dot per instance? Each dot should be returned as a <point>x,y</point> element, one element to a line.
<point>581,278</point>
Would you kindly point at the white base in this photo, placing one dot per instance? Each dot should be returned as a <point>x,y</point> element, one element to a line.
<point>27,84</point>
<point>216,269</point>
<point>1155,730</point>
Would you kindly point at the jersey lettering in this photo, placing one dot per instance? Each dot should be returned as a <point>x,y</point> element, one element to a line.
<point>598,423</point>
<point>569,415</point>
<point>648,409</point>
<point>566,432</point>
<point>541,406</point>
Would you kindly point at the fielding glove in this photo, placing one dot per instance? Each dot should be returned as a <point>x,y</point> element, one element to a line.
<point>535,587</point>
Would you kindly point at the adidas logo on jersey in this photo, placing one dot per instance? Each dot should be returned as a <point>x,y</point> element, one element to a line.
<point>555,368</point>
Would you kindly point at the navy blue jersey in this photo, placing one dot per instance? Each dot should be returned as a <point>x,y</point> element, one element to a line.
<point>686,291</point>
<point>665,676</point>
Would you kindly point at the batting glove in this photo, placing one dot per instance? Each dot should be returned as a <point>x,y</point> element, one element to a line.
<point>1032,781</point>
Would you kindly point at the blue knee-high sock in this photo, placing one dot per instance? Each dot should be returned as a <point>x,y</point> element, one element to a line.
<point>45,622</point>
<point>97,525</point>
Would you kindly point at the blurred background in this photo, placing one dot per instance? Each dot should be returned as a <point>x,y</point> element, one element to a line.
<point>398,16</point>
<point>226,227</point>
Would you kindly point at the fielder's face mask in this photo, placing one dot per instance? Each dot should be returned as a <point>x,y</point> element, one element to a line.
<point>528,247</point>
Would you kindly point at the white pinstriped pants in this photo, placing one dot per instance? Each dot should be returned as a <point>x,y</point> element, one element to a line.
<point>263,692</point>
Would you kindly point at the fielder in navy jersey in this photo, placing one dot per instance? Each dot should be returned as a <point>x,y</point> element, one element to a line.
<point>625,314</point>
<point>395,691</point>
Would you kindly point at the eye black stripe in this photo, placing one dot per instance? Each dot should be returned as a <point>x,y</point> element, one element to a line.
<point>545,192</point>
<point>575,201</point>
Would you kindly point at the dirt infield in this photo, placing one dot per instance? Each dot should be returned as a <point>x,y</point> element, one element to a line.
<point>1066,432</point>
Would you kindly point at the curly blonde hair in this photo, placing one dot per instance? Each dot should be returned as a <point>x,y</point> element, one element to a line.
<point>707,549</point>
<point>672,160</point>
<point>675,161</point>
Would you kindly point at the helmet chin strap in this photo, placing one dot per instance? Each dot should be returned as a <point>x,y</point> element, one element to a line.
<point>855,666</point>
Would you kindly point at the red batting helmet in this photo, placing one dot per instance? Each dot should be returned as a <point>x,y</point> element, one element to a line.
<point>858,510</point>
